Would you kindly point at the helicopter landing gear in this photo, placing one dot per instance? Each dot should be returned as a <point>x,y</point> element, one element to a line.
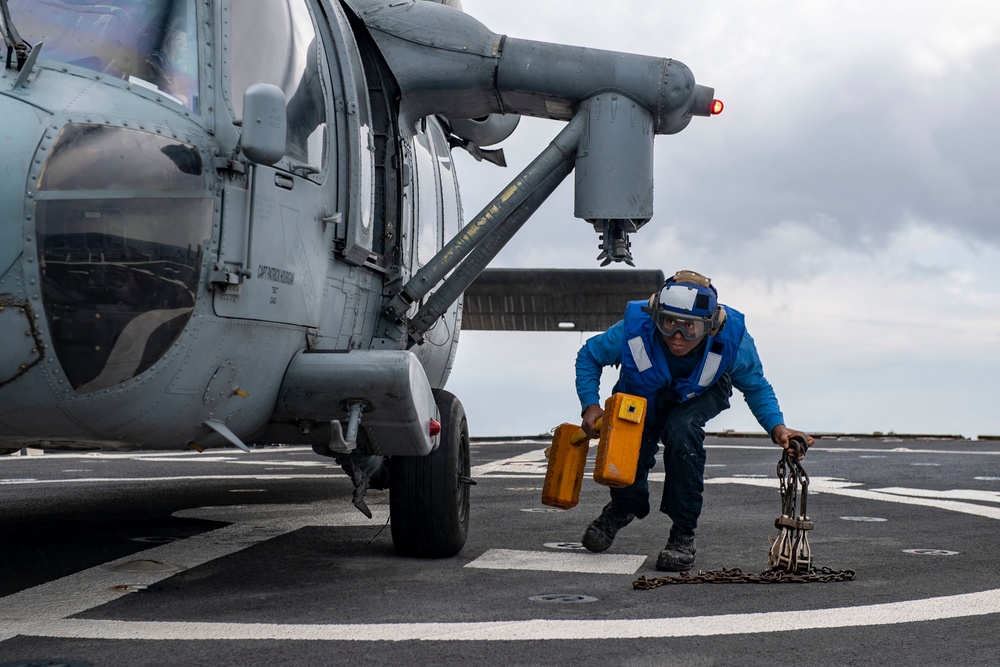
<point>429,495</point>
<point>367,472</point>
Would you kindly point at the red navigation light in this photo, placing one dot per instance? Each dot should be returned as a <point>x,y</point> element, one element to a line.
<point>717,107</point>
<point>435,428</point>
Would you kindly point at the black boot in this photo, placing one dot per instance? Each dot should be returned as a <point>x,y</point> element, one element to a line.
<point>678,555</point>
<point>601,533</point>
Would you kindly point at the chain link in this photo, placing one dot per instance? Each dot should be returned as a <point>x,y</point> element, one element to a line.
<point>736,576</point>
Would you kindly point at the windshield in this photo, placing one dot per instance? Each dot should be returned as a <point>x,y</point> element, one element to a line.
<point>151,43</point>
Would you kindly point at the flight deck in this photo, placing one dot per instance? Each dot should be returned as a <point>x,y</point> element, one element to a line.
<point>229,558</point>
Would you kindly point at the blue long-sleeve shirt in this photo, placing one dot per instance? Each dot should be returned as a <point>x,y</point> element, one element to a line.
<point>746,373</point>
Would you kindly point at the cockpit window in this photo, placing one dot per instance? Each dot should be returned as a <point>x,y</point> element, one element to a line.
<point>122,217</point>
<point>151,43</point>
<point>275,41</point>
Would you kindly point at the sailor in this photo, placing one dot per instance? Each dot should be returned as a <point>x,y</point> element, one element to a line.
<point>683,352</point>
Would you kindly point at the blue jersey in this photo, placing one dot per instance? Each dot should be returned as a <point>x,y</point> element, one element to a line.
<point>740,361</point>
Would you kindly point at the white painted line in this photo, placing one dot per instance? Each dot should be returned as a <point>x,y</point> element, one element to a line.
<point>504,476</point>
<point>531,462</point>
<point>177,458</point>
<point>904,450</point>
<point>216,454</point>
<point>839,487</point>
<point>952,494</point>
<point>653,476</point>
<point>318,463</point>
<point>853,450</point>
<point>294,516</point>
<point>184,478</point>
<point>532,465</point>
<point>547,561</point>
<point>911,611</point>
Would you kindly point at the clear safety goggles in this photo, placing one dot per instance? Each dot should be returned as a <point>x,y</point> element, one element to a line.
<point>690,328</point>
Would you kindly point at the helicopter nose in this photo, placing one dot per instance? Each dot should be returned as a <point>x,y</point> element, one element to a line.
<point>19,137</point>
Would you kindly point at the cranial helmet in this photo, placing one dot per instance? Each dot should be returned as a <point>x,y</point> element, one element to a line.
<point>687,303</point>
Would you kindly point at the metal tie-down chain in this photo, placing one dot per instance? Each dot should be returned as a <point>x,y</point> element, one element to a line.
<point>790,552</point>
<point>790,558</point>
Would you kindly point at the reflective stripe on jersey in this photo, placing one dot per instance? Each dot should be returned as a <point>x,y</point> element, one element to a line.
<point>709,370</point>
<point>638,348</point>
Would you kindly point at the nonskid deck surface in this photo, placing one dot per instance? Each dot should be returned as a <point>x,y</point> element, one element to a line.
<point>260,558</point>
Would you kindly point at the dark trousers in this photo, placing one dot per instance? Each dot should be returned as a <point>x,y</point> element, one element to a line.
<point>681,429</point>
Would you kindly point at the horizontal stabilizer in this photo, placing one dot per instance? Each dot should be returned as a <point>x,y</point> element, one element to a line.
<point>554,299</point>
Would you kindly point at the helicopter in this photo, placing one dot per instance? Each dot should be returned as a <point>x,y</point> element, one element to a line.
<point>238,223</point>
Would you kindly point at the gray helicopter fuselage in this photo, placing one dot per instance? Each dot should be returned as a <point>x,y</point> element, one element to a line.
<point>154,283</point>
<point>237,221</point>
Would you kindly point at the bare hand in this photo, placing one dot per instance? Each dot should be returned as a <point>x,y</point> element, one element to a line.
<point>782,435</point>
<point>590,417</point>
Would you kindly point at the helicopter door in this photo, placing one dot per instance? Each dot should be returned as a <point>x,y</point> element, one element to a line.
<point>287,261</point>
<point>280,258</point>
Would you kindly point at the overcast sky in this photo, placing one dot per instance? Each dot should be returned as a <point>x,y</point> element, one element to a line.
<point>847,201</point>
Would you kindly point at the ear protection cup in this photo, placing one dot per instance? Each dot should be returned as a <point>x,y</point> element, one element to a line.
<point>718,321</point>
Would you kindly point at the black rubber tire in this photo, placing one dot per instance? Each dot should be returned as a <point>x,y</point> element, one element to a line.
<point>428,499</point>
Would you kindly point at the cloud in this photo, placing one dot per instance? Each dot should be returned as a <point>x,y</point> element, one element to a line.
<point>902,339</point>
<point>834,110</point>
<point>846,200</point>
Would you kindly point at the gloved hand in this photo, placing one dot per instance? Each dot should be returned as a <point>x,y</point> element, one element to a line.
<point>782,435</point>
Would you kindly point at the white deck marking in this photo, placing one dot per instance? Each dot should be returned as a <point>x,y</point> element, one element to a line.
<point>175,478</point>
<point>911,611</point>
<point>531,463</point>
<point>318,463</point>
<point>508,559</point>
<point>951,494</point>
<point>217,454</point>
<point>840,488</point>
